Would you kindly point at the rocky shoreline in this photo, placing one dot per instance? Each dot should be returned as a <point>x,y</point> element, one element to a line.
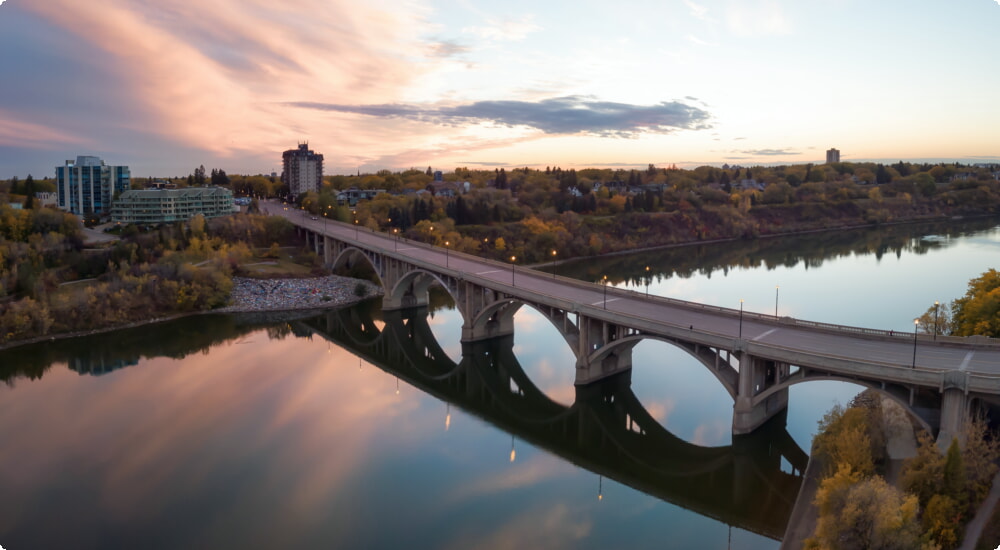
<point>287,294</point>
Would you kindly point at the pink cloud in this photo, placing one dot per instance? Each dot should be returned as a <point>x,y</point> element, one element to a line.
<point>20,133</point>
<point>215,76</point>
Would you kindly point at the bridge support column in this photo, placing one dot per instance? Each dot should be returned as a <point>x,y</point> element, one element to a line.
<point>954,408</point>
<point>414,295</point>
<point>591,365</point>
<point>755,376</point>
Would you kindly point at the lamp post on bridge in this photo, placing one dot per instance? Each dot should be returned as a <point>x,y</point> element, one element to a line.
<point>553,263</point>
<point>741,319</point>
<point>916,322</point>
<point>446,250</point>
<point>395,243</point>
<point>605,292</point>
<point>775,301</point>
<point>647,281</point>
<point>512,260</point>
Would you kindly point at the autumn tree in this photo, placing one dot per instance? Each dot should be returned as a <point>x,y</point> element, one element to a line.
<point>859,512</point>
<point>978,312</point>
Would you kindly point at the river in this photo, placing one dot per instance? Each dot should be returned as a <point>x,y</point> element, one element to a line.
<point>353,429</point>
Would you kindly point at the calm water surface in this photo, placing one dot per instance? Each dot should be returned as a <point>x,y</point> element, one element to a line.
<point>221,431</point>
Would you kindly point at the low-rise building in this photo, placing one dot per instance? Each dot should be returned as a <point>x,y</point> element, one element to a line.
<point>352,195</point>
<point>156,206</point>
<point>47,198</point>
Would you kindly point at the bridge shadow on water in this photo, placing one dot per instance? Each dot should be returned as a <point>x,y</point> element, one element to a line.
<point>606,429</point>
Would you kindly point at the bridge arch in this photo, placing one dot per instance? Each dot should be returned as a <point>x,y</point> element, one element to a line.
<point>721,370</point>
<point>895,396</point>
<point>411,289</point>
<point>497,318</point>
<point>351,257</point>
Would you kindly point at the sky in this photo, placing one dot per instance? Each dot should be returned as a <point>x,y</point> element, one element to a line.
<point>166,86</point>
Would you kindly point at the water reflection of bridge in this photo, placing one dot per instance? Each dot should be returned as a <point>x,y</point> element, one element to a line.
<point>606,430</point>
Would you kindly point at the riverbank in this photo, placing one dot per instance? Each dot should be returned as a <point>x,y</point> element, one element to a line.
<point>255,295</point>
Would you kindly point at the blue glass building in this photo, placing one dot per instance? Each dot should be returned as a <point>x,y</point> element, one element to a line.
<point>88,186</point>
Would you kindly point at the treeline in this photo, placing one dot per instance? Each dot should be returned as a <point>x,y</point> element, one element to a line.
<point>975,313</point>
<point>935,497</point>
<point>174,269</point>
<point>593,212</point>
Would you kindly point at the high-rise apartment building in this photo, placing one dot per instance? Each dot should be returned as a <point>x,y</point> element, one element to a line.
<point>88,186</point>
<point>303,170</point>
<point>832,155</point>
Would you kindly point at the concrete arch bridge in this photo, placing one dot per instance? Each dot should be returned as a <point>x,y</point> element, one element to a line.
<point>756,357</point>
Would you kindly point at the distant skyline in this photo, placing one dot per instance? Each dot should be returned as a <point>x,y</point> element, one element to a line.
<point>165,87</point>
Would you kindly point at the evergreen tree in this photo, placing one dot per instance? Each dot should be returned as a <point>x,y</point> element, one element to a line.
<point>882,175</point>
<point>29,190</point>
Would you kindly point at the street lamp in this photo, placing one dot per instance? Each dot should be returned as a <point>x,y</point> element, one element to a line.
<point>936,304</point>
<point>916,322</point>
<point>446,250</point>
<point>605,292</point>
<point>553,261</point>
<point>356,229</point>
<point>512,260</point>
<point>775,301</point>
<point>395,244</point>
<point>741,319</point>
<point>647,280</point>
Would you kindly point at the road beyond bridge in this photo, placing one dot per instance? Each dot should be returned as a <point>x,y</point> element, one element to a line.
<point>756,357</point>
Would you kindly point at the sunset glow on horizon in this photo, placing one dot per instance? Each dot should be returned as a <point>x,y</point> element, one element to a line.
<point>166,87</point>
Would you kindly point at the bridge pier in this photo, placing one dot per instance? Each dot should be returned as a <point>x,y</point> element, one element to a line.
<point>755,376</point>
<point>413,294</point>
<point>954,407</point>
<point>592,362</point>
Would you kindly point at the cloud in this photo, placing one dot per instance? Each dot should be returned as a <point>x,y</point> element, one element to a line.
<point>561,115</point>
<point>695,40</point>
<point>757,18</point>
<point>504,29</point>
<point>196,70</point>
<point>697,10</point>
<point>769,152</point>
<point>448,48</point>
<point>15,133</point>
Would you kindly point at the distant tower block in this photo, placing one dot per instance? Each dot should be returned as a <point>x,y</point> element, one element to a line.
<point>832,155</point>
<point>302,170</point>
